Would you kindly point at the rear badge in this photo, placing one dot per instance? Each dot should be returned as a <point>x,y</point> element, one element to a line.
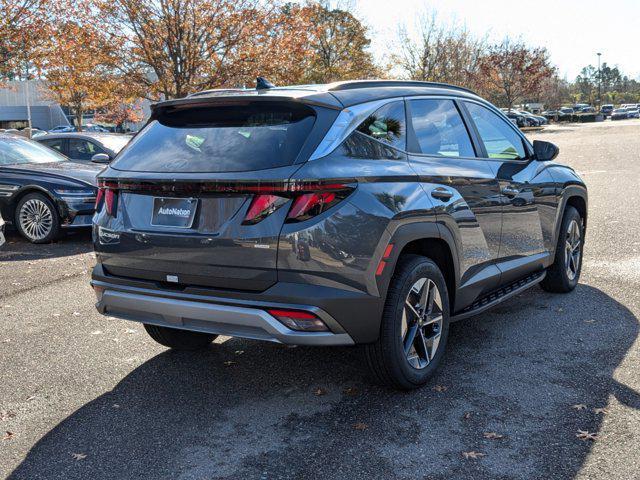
<point>108,237</point>
<point>172,278</point>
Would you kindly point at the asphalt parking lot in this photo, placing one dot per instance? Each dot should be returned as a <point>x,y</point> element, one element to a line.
<point>83,397</point>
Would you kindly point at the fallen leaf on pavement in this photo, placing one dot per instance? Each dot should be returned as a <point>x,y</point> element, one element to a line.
<point>492,435</point>
<point>318,392</point>
<point>473,455</point>
<point>467,415</point>
<point>78,456</point>
<point>351,391</point>
<point>228,363</point>
<point>599,411</point>
<point>6,415</point>
<point>584,435</point>
<point>239,352</point>
<point>579,406</point>
<point>360,426</point>
<point>76,314</point>
<point>130,330</point>
<point>7,435</point>
<point>96,332</point>
<point>32,397</point>
<point>115,405</point>
<point>56,314</point>
<point>440,388</point>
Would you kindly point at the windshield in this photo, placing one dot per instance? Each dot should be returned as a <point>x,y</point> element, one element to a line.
<point>115,143</point>
<point>15,151</point>
<point>225,138</point>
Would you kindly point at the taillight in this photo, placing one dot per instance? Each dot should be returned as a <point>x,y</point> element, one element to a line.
<point>310,204</point>
<point>99,198</point>
<point>109,192</point>
<point>261,207</point>
<point>299,320</point>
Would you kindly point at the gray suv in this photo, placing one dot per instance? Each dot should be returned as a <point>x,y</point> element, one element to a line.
<point>368,212</point>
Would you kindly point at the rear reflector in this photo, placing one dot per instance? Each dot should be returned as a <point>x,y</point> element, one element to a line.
<point>385,256</point>
<point>299,320</point>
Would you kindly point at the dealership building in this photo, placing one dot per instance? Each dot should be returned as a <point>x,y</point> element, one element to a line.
<point>17,98</point>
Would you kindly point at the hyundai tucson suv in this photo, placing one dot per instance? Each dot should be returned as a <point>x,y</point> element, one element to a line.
<point>367,212</point>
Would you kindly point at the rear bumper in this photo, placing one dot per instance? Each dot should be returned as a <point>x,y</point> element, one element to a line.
<point>230,320</point>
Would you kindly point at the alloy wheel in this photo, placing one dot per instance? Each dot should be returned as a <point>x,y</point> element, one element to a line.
<point>573,250</point>
<point>36,219</point>
<point>422,323</point>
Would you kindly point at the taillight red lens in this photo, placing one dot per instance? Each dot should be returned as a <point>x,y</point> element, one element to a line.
<point>310,205</point>
<point>99,198</point>
<point>111,201</point>
<point>261,207</point>
<point>299,320</point>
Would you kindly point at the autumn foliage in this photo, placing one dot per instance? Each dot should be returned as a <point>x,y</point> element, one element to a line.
<point>105,54</point>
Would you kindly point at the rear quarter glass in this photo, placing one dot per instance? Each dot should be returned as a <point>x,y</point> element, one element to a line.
<point>225,138</point>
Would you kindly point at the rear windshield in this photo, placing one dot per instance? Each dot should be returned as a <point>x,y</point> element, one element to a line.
<point>229,138</point>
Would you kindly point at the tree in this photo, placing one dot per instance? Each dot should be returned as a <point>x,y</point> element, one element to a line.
<point>511,71</point>
<point>79,64</point>
<point>174,47</point>
<point>120,113</point>
<point>440,53</point>
<point>339,47</point>
<point>21,24</point>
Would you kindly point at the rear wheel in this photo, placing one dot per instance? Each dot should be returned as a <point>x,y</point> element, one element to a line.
<point>415,325</point>
<point>179,339</point>
<point>563,275</point>
<point>37,218</point>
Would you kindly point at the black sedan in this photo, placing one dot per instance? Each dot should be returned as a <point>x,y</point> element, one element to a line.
<point>41,191</point>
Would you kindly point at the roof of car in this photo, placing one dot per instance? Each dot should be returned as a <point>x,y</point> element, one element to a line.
<point>99,136</point>
<point>336,95</point>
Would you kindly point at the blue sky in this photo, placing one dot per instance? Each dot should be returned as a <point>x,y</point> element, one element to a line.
<point>573,31</point>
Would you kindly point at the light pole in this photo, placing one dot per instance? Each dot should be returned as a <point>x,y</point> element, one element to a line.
<point>599,82</point>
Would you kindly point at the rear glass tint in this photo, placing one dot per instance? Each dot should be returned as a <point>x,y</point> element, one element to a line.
<point>227,138</point>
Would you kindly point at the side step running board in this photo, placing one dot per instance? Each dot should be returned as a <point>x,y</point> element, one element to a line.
<point>500,295</point>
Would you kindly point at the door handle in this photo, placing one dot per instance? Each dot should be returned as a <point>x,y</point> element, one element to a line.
<point>510,191</point>
<point>442,193</point>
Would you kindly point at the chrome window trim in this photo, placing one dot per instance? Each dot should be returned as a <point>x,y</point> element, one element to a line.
<point>346,122</point>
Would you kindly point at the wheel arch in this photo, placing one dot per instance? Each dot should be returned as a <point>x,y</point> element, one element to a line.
<point>427,240</point>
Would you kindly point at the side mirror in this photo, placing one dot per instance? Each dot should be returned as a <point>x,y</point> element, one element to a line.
<point>545,151</point>
<point>101,158</point>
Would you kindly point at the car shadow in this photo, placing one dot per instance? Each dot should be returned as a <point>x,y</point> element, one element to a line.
<point>17,248</point>
<point>245,409</point>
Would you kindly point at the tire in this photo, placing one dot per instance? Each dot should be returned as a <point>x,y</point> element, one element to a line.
<point>561,276</point>
<point>387,358</point>
<point>179,339</point>
<point>37,219</point>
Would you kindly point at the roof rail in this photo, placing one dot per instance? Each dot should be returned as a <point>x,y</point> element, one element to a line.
<point>353,84</point>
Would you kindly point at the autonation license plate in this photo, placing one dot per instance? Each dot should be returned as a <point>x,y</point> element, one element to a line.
<point>174,212</point>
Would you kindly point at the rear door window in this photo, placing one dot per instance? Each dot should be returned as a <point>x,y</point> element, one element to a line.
<point>439,129</point>
<point>226,138</point>
<point>80,149</point>
<point>55,143</point>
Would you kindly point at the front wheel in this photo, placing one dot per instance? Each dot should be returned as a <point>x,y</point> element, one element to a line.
<point>179,339</point>
<point>563,275</point>
<point>37,218</point>
<point>415,325</point>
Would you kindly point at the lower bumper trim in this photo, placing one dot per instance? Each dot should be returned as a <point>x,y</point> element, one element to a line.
<point>225,320</point>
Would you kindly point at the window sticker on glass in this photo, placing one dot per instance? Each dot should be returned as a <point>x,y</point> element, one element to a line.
<point>194,142</point>
<point>386,125</point>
